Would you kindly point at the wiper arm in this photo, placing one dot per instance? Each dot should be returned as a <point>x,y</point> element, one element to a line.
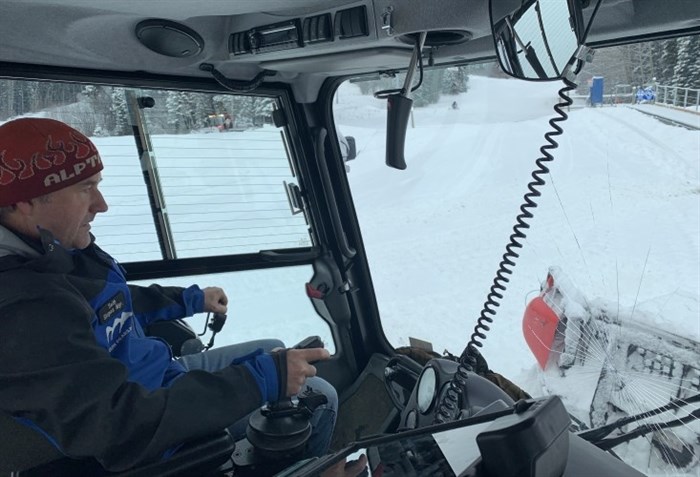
<point>598,434</point>
<point>611,442</point>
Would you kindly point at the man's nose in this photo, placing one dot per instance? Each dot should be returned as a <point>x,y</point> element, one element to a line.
<point>99,204</point>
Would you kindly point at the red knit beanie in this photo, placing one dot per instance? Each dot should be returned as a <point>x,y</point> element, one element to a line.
<point>41,155</point>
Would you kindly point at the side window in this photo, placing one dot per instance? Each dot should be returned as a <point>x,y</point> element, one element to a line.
<point>263,304</point>
<point>217,168</point>
<point>214,167</point>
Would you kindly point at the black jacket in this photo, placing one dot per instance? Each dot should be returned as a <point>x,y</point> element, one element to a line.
<point>58,377</point>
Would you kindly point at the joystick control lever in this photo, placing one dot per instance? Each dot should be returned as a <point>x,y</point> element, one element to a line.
<point>277,434</point>
<point>309,343</point>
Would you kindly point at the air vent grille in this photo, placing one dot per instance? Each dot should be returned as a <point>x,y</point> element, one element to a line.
<point>351,23</point>
<point>317,29</point>
<point>239,43</point>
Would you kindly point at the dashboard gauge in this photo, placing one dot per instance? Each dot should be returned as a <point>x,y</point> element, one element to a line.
<point>427,389</point>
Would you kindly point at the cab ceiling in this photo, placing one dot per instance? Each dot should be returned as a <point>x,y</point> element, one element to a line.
<point>100,35</point>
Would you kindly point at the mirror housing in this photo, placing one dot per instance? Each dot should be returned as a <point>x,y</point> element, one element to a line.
<point>348,148</point>
<point>535,39</point>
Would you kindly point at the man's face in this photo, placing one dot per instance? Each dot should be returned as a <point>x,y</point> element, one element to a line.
<point>67,213</point>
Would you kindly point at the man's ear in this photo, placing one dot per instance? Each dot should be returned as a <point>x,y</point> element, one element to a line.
<point>25,207</point>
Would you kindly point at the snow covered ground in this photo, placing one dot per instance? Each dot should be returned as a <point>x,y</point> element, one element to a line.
<point>620,213</point>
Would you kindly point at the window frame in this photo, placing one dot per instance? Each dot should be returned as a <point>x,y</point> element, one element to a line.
<point>296,141</point>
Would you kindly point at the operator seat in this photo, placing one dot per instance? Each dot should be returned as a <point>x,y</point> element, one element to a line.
<point>25,453</point>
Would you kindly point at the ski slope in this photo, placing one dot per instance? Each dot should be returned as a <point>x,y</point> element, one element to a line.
<point>622,186</point>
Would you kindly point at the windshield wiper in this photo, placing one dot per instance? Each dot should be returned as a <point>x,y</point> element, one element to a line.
<point>598,435</point>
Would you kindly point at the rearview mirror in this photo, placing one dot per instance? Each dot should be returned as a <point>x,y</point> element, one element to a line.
<point>536,39</point>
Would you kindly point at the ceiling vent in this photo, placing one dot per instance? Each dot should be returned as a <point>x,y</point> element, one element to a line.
<point>169,38</point>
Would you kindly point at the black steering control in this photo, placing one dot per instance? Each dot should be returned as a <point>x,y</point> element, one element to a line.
<point>277,434</point>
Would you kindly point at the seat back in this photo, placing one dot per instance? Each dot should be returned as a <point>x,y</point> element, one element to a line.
<point>175,332</point>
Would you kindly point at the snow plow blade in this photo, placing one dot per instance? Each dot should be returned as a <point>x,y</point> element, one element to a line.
<point>639,367</point>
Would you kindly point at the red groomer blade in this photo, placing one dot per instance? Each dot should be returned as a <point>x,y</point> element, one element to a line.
<point>539,327</point>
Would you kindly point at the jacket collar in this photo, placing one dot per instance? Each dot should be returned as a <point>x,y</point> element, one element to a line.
<point>11,243</point>
<point>45,254</point>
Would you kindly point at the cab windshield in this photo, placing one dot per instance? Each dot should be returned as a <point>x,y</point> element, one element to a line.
<point>618,219</point>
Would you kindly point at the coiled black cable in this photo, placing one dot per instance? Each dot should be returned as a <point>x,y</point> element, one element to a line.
<point>449,406</point>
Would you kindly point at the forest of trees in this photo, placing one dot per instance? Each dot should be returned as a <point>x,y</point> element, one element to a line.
<point>102,110</point>
<point>671,62</point>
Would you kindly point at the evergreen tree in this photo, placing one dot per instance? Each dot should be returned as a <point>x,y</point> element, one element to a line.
<point>93,117</point>
<point>244,115</point>
<point>19,97</point>
<point>119,117</point>
<point>251,111</point>
<point>429,91</point>
<point>639,62</point>
<point>262,110</point>
<point>455,80</point>
<point>686,74</point>
<point>669,56</point>
<point>7,97</point>
<point>180,118</point>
